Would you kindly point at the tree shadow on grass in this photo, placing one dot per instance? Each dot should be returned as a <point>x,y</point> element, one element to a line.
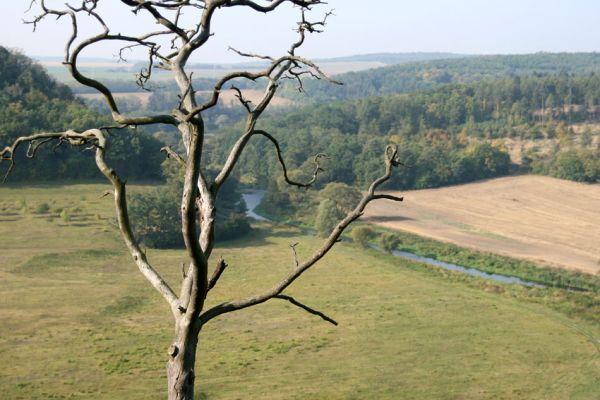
<point>388,218</point>
<point>260,235</point>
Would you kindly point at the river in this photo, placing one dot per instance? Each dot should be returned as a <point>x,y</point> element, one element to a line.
<point>253,199</point>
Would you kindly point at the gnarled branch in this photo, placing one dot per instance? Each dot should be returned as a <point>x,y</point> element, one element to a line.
<point>317,158</point>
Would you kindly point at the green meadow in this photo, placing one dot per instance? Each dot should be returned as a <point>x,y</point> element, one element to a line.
<point>77,321</point>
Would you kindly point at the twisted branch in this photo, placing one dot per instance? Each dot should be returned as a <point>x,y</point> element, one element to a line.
<point>316,172</point>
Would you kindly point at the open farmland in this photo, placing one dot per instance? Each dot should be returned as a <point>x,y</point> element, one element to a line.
<point>77,320</point>
<point>546,220</point>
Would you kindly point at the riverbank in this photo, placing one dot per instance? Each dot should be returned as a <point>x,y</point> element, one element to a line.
<point>571,292</point>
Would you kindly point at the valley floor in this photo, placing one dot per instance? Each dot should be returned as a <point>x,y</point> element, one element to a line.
<point>77,320</point>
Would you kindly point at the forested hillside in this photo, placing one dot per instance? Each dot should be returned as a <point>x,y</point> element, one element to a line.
<point>447,135</point>
<point>30,102</point>
<point>422,75</point>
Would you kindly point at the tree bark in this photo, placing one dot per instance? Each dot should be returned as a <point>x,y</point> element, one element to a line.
<point>180,367</point>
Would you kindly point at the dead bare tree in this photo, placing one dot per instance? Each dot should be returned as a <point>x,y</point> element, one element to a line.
<point>198,196</point>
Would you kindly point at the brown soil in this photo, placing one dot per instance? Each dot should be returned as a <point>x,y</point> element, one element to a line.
<point>230,99</point>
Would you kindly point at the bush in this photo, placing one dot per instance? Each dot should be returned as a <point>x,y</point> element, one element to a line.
<point>389,242</point>
<point>65,216</point>
<point>328,215</point>
<point>42,208</point>
<point>362,235</point>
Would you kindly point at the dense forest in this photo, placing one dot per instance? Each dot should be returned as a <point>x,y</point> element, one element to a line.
<point>492,108</point>
<point>30,102</point>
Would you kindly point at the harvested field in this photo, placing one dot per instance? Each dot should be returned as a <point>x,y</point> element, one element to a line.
<point>229,98</point>
<point>546,220</point>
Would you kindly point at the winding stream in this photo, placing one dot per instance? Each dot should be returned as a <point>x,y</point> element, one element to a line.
<point>254,197</point>
<point>469,271</point>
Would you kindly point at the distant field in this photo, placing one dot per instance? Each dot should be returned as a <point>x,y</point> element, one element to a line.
<point>546,220</point>
<point>228,97</point>
<point>124,71</point>
<point>77,320</point>
<point>143,97</point>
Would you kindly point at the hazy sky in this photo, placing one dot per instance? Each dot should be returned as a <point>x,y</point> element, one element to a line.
<point>360,26</point>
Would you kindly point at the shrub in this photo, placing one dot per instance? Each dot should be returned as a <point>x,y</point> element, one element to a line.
<point>362,235</point>
<point>65,215</point>
<point>42,208</point>
<point>328,216</point>
<point>389,242</point>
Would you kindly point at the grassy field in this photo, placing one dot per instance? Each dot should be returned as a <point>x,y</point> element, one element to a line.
<point>78,322</point>
<point>546,220</point>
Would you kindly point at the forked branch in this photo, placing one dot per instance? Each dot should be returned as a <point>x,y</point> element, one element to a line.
<point>391,161</point>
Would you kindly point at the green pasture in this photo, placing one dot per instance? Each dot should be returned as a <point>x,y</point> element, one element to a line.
<point>77,321</point>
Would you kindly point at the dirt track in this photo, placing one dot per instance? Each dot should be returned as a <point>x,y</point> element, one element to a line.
<point>546,220</point>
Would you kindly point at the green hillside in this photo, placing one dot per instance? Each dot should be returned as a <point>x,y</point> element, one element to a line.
<point>31,102</point>
<point>450,134</point>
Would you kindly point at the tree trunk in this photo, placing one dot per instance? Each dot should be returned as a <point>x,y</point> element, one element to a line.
<point>181,366</point>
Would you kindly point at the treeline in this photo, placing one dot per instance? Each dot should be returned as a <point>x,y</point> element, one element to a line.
<point>412,77</point>
<point>31,102</point>
<point>165,101</point>
<point>430,161</point>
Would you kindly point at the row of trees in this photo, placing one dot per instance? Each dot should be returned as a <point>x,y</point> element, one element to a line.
<point>575,164</point>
